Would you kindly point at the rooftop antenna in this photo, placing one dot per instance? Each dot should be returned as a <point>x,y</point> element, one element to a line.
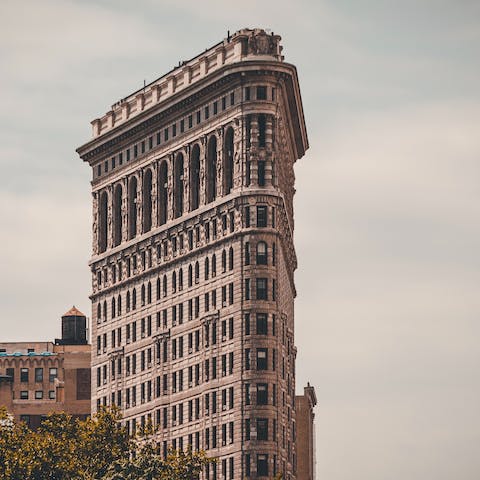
<point>144,85</point>
<point>228,35</point>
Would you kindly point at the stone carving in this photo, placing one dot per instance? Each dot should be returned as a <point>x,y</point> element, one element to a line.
<point>260,43</point>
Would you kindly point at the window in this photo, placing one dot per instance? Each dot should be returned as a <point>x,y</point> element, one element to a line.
<point>247,253</point>
<point>262,361</point>
<point>262,328</point>
<point>51,394</point>
<point>262,393</point>
<point>262,429</point>
<point>247,289</point>
<point>247,216</point>
<point>261,173</point>
<point>262,127</point>
<point>247,93</point>
<point>52,374</point>
<point>39,375</point>
<point>261,216</point>
<point>261,93</point>
<point>24,395</point>
<point>24,375</point>
<point>261,253</point>
<point>11,373</point>
<point>247,324</point>
<point>262,465</point>
<point>38,394</point>
<point>262,289</point>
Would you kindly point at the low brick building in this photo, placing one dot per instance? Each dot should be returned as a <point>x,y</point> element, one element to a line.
<point>37,378</point>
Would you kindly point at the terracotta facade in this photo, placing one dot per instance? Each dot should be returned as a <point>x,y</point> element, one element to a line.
<point>193,256</point>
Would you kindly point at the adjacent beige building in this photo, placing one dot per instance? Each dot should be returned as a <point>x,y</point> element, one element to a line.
<point>193,258</point>
<point>38,378</point>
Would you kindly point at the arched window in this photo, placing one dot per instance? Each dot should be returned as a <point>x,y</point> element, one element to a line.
<point>134,299</point>
<point>102,222</point>
<point>117,215</point>
<point>142,295</point>
<point>211,169</point>
<point>162,193</point>
<point>147,200</point>
<point>164,285</point>
<point>128,301</point>
<point>149,292</point>
<point>224,261</point>
<point>178,185</point>
<point>113,307</point>
<point>214,265</point>
<point>132,207</point>
<point>195,178</point>
<point>119,305</point>
<point>228,162</point>
<point>190,275</point>
<point>180,279</point>
<point>158,288</point>
<point>207,268</point>
<point>261,253</point>
<point>230,258</point>
<point>197,272</point>
<point>174,282</point>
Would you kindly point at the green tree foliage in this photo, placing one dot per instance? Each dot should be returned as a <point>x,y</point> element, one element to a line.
<point>64,448</point>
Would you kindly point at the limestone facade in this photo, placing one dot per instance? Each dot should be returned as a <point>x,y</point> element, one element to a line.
<point>193,256</point>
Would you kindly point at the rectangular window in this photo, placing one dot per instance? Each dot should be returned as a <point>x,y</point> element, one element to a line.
<point>247,289</point>
<point>207,112</point>
<point>198,117</point>
<point>262,328</point>
<point>247,359</point>
<point>215,108</point>
<point>24,375</point>
<point>261,173</point>
<point>135,151</point>
<point>261,216</point>
<point>224,103</point>
<point>38,394</point>
<point>174,130</point>
<point>11,373</point>
<point>262,289</point>
<point>143,146</point>
<point>261,93</point>
<point>150,143</point>
<point>39,375</point>
<point>247,216</point>
<point>247,324</point>
<point>190,121</point>
<point>232,98</point>
<point>182,126</point>
<point>262,429</point>
<point>51,394</point>
<point>165,134</point>
<point>24,395</point>
<point>262,393</point>
<point>120,158</point>
<point>247,93</point>
<point>262,358</point>
<point>128,154</point>
<point>262,465</point>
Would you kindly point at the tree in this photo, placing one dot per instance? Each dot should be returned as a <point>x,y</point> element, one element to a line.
<point>98,448</point>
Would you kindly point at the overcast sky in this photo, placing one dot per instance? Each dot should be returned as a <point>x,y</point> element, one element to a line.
<point>387,205</point>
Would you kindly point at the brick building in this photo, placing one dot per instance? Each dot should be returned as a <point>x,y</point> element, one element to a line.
<point>38,378</point>
<point>193,258</point>
<point>305,405</point>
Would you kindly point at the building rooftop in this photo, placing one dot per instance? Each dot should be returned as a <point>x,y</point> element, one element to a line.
<point>74,312</point>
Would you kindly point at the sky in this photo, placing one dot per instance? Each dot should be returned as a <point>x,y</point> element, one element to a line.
<point>387,205</point>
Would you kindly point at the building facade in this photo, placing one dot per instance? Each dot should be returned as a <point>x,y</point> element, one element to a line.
<point>38,378</point>
<point>305,404</point>
<point>193,256</point>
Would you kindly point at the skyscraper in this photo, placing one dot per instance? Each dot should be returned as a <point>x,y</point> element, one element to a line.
<point>193,256</point>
